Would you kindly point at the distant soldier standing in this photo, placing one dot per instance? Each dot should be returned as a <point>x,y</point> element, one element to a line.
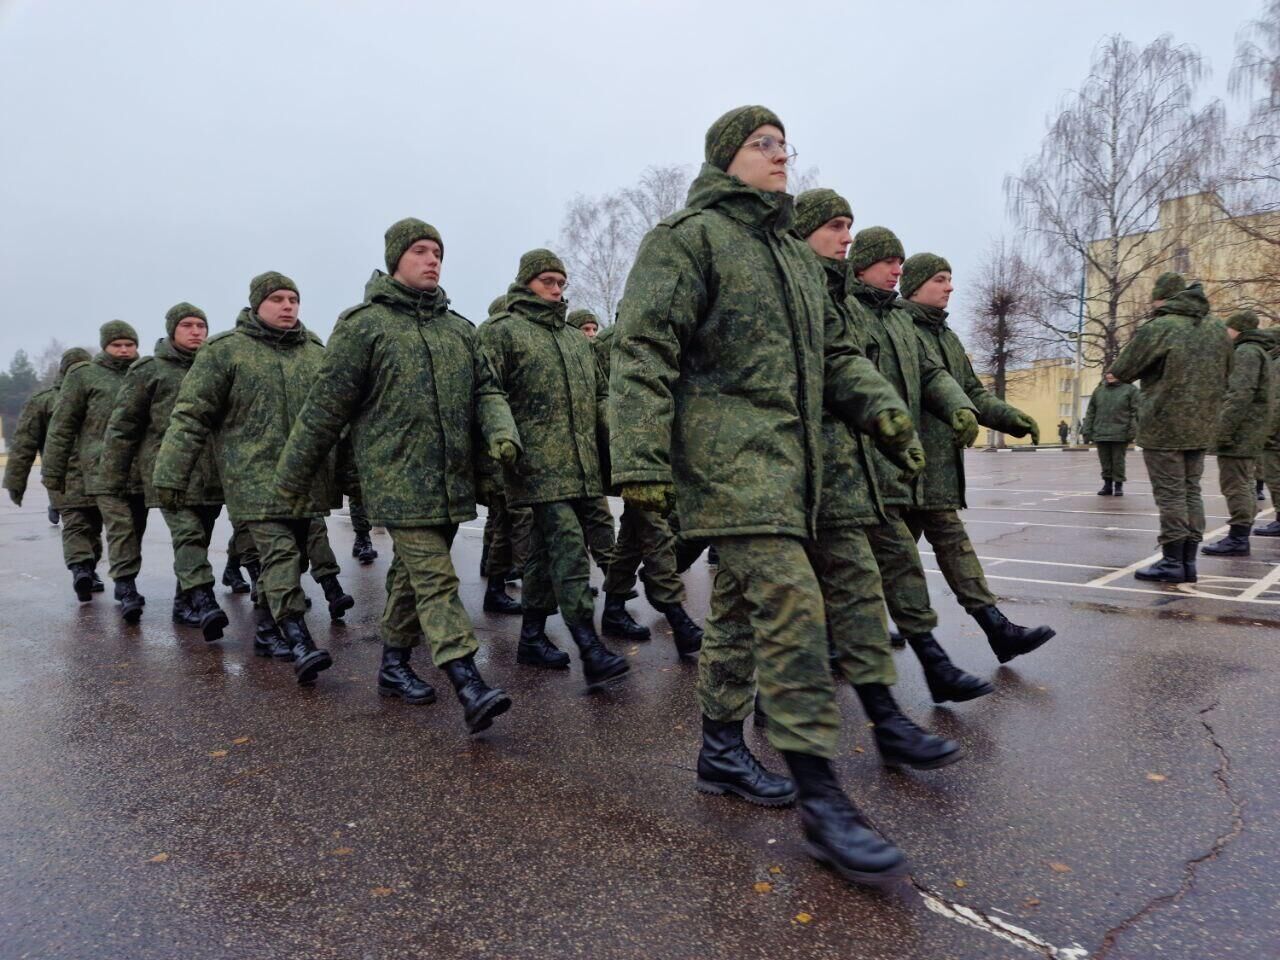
<point>1064,431</point>
<point>1111,422</point>
<point>1269,459</point>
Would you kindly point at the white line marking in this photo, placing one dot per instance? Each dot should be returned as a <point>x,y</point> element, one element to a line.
<point>1047,563</point>
<point>999,928</point>
<point>1186,589</point>
<point>1060,526</point>
<point>1266,583</point>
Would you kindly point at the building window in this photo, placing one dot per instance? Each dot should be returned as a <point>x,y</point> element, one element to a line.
<point>1064,386</point>
<point>1064,410</point>
<point>1182,260</point>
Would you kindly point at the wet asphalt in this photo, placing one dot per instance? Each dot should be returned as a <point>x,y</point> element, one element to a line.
<point>161,798</point>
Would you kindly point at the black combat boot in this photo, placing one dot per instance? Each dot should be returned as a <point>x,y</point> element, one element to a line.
<point>534,649</point>
<point>267,639</point>
<point>1118,489</point>
<point>232,578</point>
<point>98,585</point>
<point>725,765</point>
<point>131,601</point>
<point>1234,544</point>
<point>82,578</point>
<point>481,703</point>
<point>362,549</point>
<point>496,599</point>
<point>686,634</point>
<point>946,681</point>
<point>182,612</point>
<point>1189,550</point>
<point>599,663</point>
<point>55,516</point>
<point>1271,529</point>
<point>210,618</point>
<point>901,743</point>
<point>1008,639</point>
<point>397,679</point>
<point>836,832</point>
<point>616,621</point>
<point>308,659</point>
<point>1107,489</point>
<point>339,602</point>
<point>1170,568</point>
<point>896,640</point>
<point>758,717</point>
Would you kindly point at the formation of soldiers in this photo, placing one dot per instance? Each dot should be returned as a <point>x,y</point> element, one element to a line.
<point>774,388</point>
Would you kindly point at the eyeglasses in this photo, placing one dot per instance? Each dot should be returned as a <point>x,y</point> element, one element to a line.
<point>772,147</point>
<point>560,283</point>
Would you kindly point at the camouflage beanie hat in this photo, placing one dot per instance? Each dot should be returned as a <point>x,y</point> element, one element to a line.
<point>74,355</point>
<point>580,318</point>
<point>918,269</point>
<point>265,284</point>
<point>499,304</point>
<point>179,312</point>
<point>872,245</point>
<point>1168,285</point>
<point>116,330</point>
<point>816,207</point>
<point>730,132</point>
<point>403,234</point>
<point>538,261</point>
<point>1244,321</point>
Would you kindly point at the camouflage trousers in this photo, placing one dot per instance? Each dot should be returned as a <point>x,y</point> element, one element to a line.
<point>597,528</point>
<point>280,546</point>
<point>81,535</point>
<point>319,556</point>
<point>854,602</point>
<point>954,554</point>
<point>687,551</point>
<point>906,592</point>
<point>506,537</point>
<point>767,622</point>
<point>422,595</point>
<point>1175,484</point>
<point>1236,480</point>
<point>644,537</point>
<point>1269,464</point>
<point>191,529</point>
<point>125,519</point>
<point>558,572</point>
<point>1111,454</point>
<point>359,517</point>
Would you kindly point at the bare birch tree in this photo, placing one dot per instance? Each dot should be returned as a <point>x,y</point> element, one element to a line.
<point>1006,310</point>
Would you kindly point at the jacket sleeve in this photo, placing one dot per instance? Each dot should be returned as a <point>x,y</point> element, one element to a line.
<point>993,413</point>
<point>1131,431</point>
<point>1246,371</point>
<point>1143,356</point>
<point>853,389</point>
<point>64,430</point>
<point>664,301</point>
<point>197,412</point>
<point>494,420</point>
<point>1091,414</point>
<point>28,438</point>
<point>126,428</point>
<point>940,394</point>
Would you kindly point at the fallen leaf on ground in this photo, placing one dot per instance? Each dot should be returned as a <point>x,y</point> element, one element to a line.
<point>159,858</point>
<point>1157,777</point>
<point>775,869</point>
<point>238,741</point>
<point>217,753</point>
<point>962,883</point>
<point>344,851</point>
<point>763,887</point>
<point>803,917</point>
<point>1059,867</point>
<point>1031,902</point>
<point>382,891</point>
<point>858,750</point>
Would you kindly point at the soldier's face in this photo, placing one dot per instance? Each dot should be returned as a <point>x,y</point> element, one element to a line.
<point>1111,378</point>
<point>1232,333</point>
<point>883,274</point>
<point>756,168</point>
<point>832,239</point>
<point>280,310</point>
<point>121,349</point>
<point>590,329</point>
<point>190,333</point>
<point>419,267</point>
<point>936,291</point>
<point>549,285</point>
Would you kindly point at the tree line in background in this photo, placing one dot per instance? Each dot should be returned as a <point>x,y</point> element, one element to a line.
<point>23,378</point>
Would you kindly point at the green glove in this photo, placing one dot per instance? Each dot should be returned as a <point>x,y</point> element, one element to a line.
<point>504,451</point>
<point>170,499</point>
<point>487,490</point>
<point>910,459</point>
<point>659,498</point>
<point>893,428</point>
<point>297,504</point>
<point>1027,425</point>
<point>16,497</point>
<point>52,485</point>
<point>965,424</point>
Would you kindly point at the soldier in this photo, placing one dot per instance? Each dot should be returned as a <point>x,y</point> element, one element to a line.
<point>546,369</point>
<point>1243,427</point>
<point>926,283</point>
<point>1112,422</point>
<point>720,371</point>
<point>1183,358</point>
<point>81,521</point>
<point>242,395</point>
<point>133,436</point>
<point>404,373</point>
<point>1269,460</point>
<point>586,321</point>
<point>1063,432</point>
<point>85,403</point>
<point>362,547</point>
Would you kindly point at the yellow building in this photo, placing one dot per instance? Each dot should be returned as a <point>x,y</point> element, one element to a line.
<point>1044,391</point>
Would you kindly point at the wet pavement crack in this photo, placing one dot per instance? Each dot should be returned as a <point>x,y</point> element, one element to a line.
<point>1003,929</point>
<point>1222,774</point>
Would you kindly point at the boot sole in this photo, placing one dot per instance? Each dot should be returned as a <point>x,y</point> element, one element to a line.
<point>212,628</point>
<point>83,594</point>
<point>966,697</point>
<point>720,789</point>
<point>1005,658</point>
<point>542,663</point>
<point>1207,552</point>
<point>515,611</point>
<point>340,606</point>
<point>416,701</point>
<point>935,764</point>
<point>1139,576</point>
<point>626,636</point>
<point>493,709</point>
<point>132,614</point>
<point>880,878</point>
<point>309,666</point>
<point>593,682</point>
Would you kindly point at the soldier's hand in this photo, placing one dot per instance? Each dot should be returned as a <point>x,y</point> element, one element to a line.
<point>487,489</point>
<point>894,428</point>
<point>298,504</point>
<point>16,497</point>
<point>504,451</point>
<point>965,425</point>
<point>1028,425</point>
<point>659,498</point>
<point>170,499</point>
<point>53,486</point>
<point>909,459</point>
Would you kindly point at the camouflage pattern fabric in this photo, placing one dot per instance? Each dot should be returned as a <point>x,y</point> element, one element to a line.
<point>1183,358</point>
<point>125,520</point>
<point>422,595</point>
<point>1273,356</point>
<point>1175,483</point>
<point>557,573</point>
<point>359,518</point>
<point>241,546</point>
<point>1112,457</point>
<point>1112,416</point>
<point>598,529</point>
<point>28,441</point>
<point>954,555</point>
<point>645,537</point>
<point>1236,480</point>
<point>853,596</point>
<point>1244,423</point>
<point>506,534</point>
<point>191,530</point>
<point>81,535</point>
<point>281,544</point>
<point>85,403</point>
<point>898,558</point>
<point>320,558</point>
<point>1269,464</point>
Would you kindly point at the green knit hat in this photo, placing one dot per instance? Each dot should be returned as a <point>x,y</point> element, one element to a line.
<point>179,312</point>
<point>538,261</point>
<point>919,269</point>
<point>74,355</point>
<point>816,207</point>
<point>730,132</point>
<point>499,304</point>
<point>1244,321</point>
<point>1168,284</point>
<point>265,284</point>
<point>873,244</point>
<point>403,234</point>
<point>580,318</point>
<point>115,330</point>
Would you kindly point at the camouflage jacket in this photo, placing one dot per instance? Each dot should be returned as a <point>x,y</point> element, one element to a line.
<point>1183,358</point>
<point>85,404</point>
<point>406,373</point>
<point>140,419</point>
<point>242,395</point>
<point>1273,356</point>
<point>602,347</point>
<point>28,440</point>
<point>548,373</point>
<point>721,366</point>
<point>1244,423</point>
<point>902,355</point>
<point>1112,416</point>
<point>943,484</point>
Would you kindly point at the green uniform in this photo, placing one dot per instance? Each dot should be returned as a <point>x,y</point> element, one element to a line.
<point>1183,358</point>
<point>1269,459</point>
<point>1244,424</point>
<point>720,372</point>
<point>359,517</point>
<point>1111,422</point>
<point>405,374</point>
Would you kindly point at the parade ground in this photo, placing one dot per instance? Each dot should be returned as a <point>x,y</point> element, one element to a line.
<point>161,799</point>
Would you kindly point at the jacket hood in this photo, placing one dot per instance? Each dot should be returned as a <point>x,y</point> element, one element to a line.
<point>933,318</point>
<point>523,302</point>
<point>1259,337</point>
<point>761,209</point>
<point>1191,302</point>
<point>384,289</point>
<point>251,324</point>
<point>874,297</point>
<point>118,364</point>
<point>166,349</point>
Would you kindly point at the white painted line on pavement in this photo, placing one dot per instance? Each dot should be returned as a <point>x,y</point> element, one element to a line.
<point>1001,928</point>
<point>1186,589</point>
<point>1266,583</point>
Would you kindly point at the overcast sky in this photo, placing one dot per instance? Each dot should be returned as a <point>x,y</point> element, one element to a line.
<point>152,152</point>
